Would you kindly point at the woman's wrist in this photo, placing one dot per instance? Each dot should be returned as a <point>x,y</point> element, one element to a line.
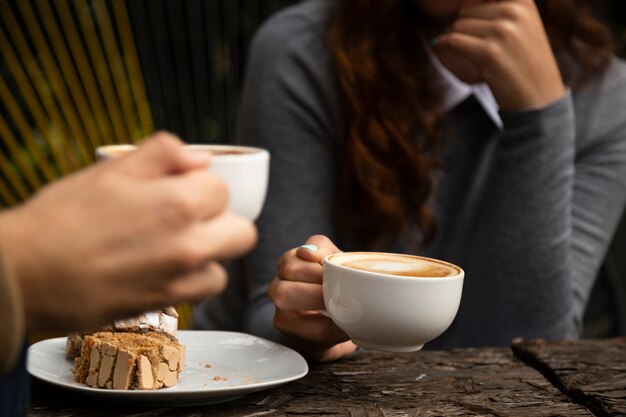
<point>561,106</point>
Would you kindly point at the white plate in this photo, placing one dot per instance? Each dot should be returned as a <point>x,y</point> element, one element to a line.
<point>221,366</point>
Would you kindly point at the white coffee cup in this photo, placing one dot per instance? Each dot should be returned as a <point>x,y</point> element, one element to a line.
<point>390,303</point>
<point>244,169</point>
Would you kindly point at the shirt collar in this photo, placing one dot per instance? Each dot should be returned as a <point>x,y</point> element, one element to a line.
<point>456,91</point>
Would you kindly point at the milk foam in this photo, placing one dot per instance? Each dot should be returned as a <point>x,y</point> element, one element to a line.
<point>391,264</point>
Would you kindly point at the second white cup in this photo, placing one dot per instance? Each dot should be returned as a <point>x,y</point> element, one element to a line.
<point>244,169</point>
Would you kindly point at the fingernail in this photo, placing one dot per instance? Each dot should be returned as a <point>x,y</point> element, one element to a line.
<point>312,248</point>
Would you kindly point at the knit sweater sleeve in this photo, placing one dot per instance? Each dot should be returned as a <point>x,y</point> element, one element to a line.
<point>550,207</point>
<point>11,319</point>
<point>286,109</point>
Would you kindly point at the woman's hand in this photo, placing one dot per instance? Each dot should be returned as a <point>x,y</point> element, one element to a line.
<point>507,43</point>
<point>297,293</point>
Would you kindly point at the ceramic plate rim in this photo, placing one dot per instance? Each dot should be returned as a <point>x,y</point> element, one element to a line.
<point>188,394</point>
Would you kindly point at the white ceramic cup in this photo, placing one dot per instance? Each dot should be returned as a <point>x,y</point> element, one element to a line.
<point>244,169</point>
<point>390,312</point>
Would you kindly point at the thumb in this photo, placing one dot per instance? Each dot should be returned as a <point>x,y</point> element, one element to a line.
<point>316,248</point>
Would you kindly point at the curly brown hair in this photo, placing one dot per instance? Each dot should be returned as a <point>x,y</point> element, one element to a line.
<point>393,105</point>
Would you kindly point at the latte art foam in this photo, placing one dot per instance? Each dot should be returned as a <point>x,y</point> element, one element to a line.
<point>402,265</point>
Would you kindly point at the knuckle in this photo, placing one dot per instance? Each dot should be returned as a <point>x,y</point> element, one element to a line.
<point>512,11</point>
<point>279,321</point>
<point>271,290</point>
<point>528,3</point>
<point>167,146</point>
<point>324,332</point>
<point>218,188</point>
<point>179,208</point>
<point>188,204</point>
<point>320,240</point>
<point>505,30</point>
<point>490,52</point>
<point>187,254</point>
<point>166,140</point>
<point>291,271</point>
<point>453,40</point>
<point>280,294</point>
<point>284,260</point>
<point>219,279</point>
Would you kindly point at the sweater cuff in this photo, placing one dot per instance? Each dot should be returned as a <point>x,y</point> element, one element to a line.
<point>551,110</point>
<point>11,318</point>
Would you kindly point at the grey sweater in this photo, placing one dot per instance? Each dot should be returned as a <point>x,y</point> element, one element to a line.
<point>527,211</point>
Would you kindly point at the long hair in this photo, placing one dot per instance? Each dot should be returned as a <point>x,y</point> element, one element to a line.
<point>393,107</point>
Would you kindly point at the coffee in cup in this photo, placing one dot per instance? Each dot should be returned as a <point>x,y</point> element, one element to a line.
<point>391,302</point>
<point>397,264</point>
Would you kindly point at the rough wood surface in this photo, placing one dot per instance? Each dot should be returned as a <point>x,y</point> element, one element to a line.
<point>591,372</point>
<point>484,382</point>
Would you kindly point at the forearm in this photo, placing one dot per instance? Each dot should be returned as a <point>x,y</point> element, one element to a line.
<point>521,251</point>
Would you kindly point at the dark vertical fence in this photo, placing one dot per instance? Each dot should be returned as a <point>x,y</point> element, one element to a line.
<point>193,56</point>
<point>75,74</point>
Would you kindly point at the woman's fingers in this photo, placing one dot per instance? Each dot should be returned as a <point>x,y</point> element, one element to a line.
<point>316,248</point>
<point>506,40</point>
<point>335,352</point>
<point>472,47</point>
<point>480,28</point>
<point>288,295</point>
<point>323,352</point>
<point>497,10</point>
<point>305,262</point>
<point>292,268</point>
<point>298,296</point>
<point>311,327</point>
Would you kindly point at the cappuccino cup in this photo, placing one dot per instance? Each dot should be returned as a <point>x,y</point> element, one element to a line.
<point>391,302</point>
<point>244,169</point>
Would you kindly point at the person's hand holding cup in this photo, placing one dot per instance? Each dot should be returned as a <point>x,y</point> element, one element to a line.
<point>244,169</point>
<point>125,236</point>
<point>327,302</point>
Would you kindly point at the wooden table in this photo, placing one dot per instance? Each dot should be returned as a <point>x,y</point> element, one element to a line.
<point>533,378</point>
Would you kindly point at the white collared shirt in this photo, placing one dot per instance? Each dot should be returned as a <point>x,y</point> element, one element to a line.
<point>457,91</point>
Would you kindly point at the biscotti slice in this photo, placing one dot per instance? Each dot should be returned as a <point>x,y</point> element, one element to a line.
<point>119,360</point>
<point>162,321</point>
